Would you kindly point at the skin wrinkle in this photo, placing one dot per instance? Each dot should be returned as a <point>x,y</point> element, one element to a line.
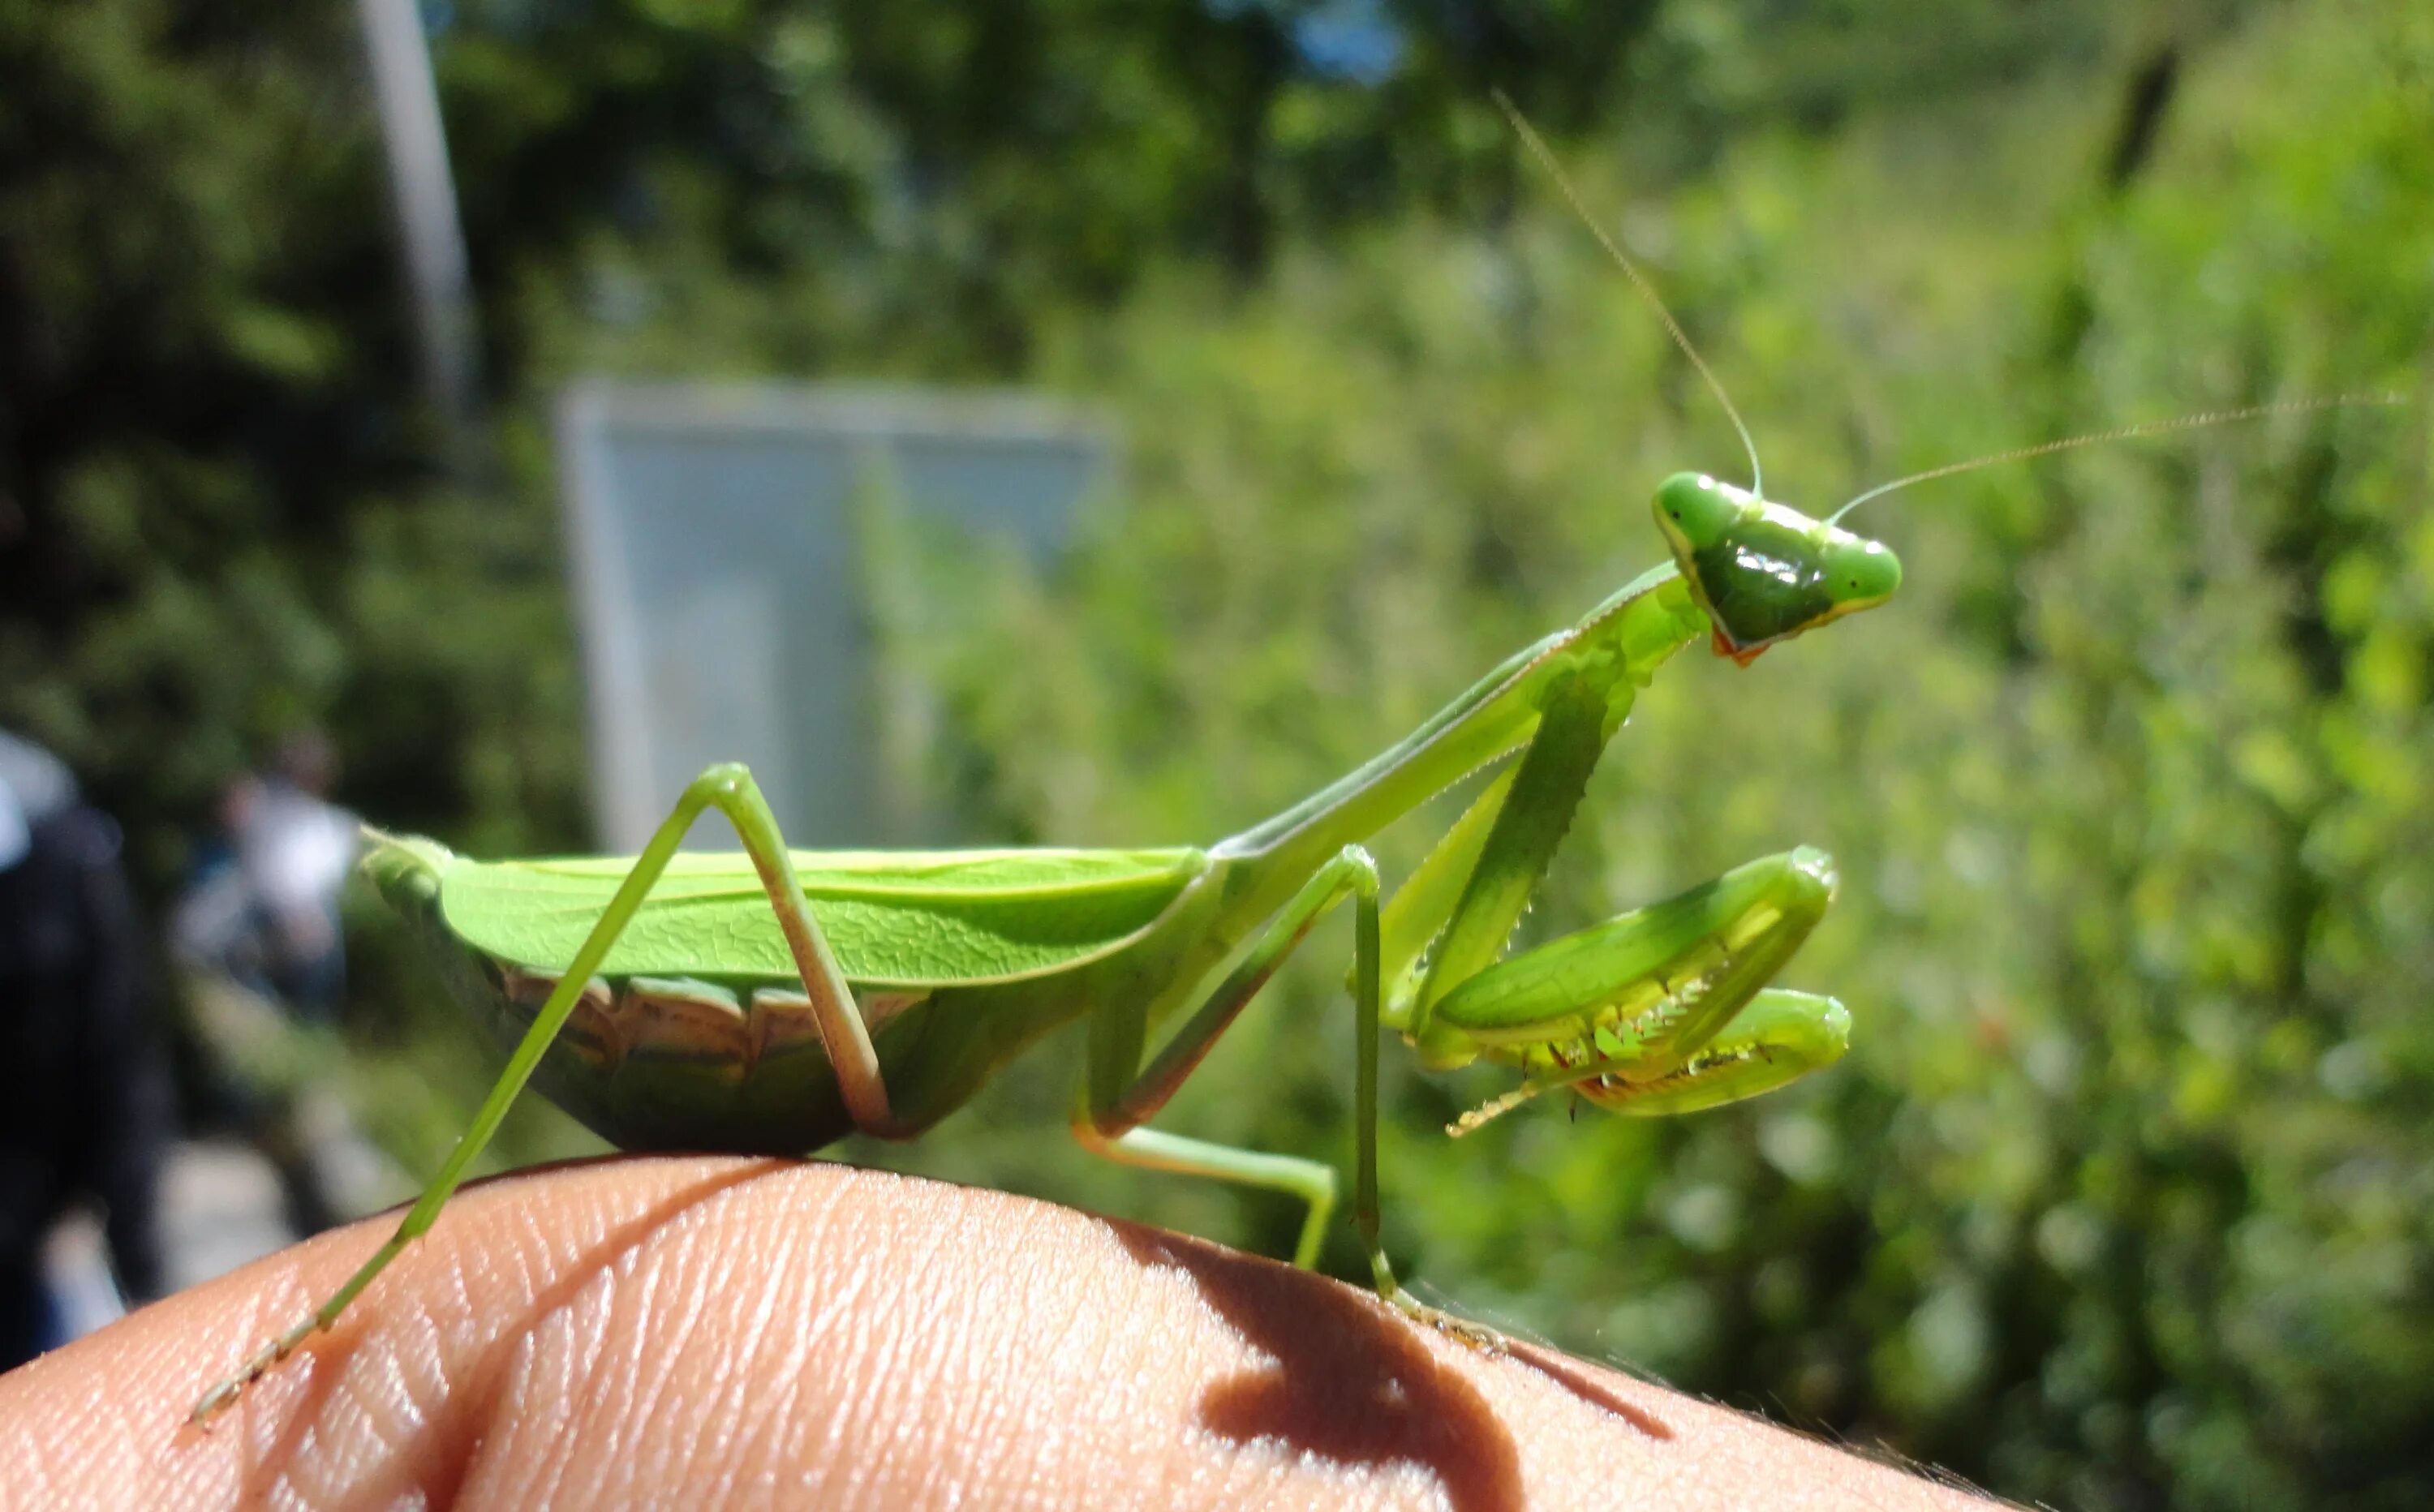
<point>907,1378</point>
<point>383,1404</point>
<point>724,1403</point>
<point>322,1456</point>
<point>751,1419</point>
<point>755,1460</point>
<point>643,1296</point>
<point>860,1354</point>
<point>795,1428</point>
<point>590,1432</point>
<point>609,1404</point>
<point>975,1350</point>
<point>959,1366</point>
<point>615,1419</point>
<point>675,1300</point>
<point>657,1362</point>
<point>525,1389</point>
<point>1165,1336</point>
<point>21,1450</point>
<point>520,1396</point>
<point>715,1430</point>
<point>847,1348</point>
<point>579,1346</point>
<point>734,1404</point>
<point>813,1320</point>
<point>469,1267</point>
<point>301,1453</point>
<point>538,1251</point>
<point>1042,1437</point>
<point>978,1358</point>
<point>273,1431</point>
<point>680,1317</point>
<point>690,1289</point>
<point>779,1411</point>
<point>385,1390</point>
<point>783,1423</point>
<point>576,1340</point>
<point>960,1307</point>
<point>1041,1444</point>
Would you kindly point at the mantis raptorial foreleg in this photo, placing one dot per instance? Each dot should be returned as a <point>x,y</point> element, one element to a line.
<point>1552,774</point>
<point>730,788</point>
<point>1416,915</point>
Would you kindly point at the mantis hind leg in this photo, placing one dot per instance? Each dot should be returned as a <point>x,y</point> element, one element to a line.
<point>730,788</point>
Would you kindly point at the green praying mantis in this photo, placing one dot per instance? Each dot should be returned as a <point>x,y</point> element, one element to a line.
<point>775,1000</point>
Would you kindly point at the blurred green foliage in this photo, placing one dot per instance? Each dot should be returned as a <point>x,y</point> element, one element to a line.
<point>2125,1197</point>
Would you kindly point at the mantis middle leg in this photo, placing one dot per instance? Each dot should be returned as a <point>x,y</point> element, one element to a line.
<point>1112,1125</point>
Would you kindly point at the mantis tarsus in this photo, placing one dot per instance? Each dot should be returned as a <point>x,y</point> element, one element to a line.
<point>774,1000</point>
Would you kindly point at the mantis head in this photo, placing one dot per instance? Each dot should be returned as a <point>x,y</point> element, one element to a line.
<point>1763,571</point>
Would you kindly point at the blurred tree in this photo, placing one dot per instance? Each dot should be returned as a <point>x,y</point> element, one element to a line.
<point>191,381</point>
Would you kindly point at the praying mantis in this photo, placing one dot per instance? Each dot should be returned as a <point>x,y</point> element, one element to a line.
<point>773,1000</point>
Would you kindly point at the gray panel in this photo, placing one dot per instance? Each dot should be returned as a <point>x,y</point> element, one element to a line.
<point>716,575</point>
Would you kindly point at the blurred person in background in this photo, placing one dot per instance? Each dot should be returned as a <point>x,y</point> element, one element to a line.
<point>293,849</point>
<point>84,1085</point>
<point>261,906</point>
<point>260,913</point>
<point>216,925</point>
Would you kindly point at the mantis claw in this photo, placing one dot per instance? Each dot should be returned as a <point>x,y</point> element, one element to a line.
<point>222,1396</point>
<point>1460,1330</point>
<point>1662,1011</point>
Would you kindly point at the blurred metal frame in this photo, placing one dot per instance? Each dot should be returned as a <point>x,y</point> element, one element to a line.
<point>716,573</point>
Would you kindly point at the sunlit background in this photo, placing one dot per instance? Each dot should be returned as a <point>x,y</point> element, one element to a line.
<point>2124,1197</point>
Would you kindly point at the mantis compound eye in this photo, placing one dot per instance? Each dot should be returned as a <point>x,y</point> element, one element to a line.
<point>1857,574</point>
<point>1696,512</point>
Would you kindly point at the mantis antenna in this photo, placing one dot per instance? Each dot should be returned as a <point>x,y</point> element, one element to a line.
<point>1546,157</point>
<point>2126,432</point>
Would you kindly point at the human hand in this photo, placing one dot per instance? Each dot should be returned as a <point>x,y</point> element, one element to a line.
<point>712,1332</point>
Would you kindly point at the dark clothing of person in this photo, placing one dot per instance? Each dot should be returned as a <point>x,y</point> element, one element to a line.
<point>85,1109</point>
